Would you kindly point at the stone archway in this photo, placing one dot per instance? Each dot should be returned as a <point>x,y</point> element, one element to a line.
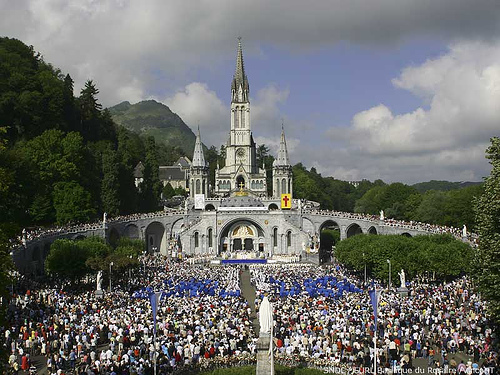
<point>353,230</point>
<point>240,182</point>
<point>406,234</point>
<point>329,235</point>
<point>177,227</point>
<point>132,231</point>
<point>154,236</point>
<point>113,237</point>
<point>372,230</point>
<point>241,235</point>
<point>273,207</point>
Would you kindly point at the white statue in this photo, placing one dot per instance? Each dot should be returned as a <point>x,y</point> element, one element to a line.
<point>24,237</point>
<point>464,231</point>
<point>382,215</point>
<point>99,280</point>
<point>402,278</point>
<point>265,316</point>
<point>104,218</point>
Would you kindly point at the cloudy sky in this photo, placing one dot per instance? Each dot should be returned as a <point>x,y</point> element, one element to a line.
<point>403,90</point>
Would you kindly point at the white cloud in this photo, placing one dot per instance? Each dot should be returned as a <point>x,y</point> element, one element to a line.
<point>122,40</point>
<point>138,49</point>
<point>448,139</point>
<point>197,104</point>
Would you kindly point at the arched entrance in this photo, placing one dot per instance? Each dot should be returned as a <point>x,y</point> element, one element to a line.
<point>273,207</point>
<point>132,231</point>
<point>329,235</point>
<point>406,234</point>
<point>114,237</point>
<point>240,182</point>
<point>353,230</point>
<point>372,230</point>
<point>154,236</point>
<point>242,235</point>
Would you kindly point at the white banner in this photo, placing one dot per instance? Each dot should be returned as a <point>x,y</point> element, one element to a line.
<point>199,201</point>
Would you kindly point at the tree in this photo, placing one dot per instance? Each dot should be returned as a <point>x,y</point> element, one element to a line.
<point>151,186</point>
<point>72,203</point>
<point>110,187</point>
<point>416,255</point>
<point>95,124</point>
<point>168,191</point>
<point>212,157</point>
<point>488,223</point>
<point>67,260</point>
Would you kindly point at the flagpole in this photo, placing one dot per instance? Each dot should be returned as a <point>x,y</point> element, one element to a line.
<point>375,352</point>
<point>154,349</point>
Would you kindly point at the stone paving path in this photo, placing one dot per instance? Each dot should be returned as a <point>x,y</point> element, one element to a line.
<point>248,292</point>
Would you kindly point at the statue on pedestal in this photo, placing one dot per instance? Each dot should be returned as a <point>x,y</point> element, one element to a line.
<point>464,231</point>
<point>382,217</point>
<point>265,316</point>
<point>402,278</point>
<point>99,281</point>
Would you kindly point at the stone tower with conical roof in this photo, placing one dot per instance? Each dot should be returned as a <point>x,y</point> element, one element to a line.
<point>282,170</point>
<point>198,183</point>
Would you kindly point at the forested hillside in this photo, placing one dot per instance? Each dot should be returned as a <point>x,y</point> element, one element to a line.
<point>62,158</point>
<point>150,118</point>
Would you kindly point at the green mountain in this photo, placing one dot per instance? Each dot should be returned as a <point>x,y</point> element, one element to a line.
<point>422,187</point>
<point>155,119</point>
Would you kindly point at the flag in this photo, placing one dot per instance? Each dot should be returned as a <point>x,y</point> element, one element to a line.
<point>374,297</point>
<point>154,298</point>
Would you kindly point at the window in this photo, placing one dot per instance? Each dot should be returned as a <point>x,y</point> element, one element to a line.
<point>210,237</point>
<point>275,237</point>
<point>242,117</point>
<point>283,186</point>
<point>198,187</point>
<point>288,239</point>
<point>196,239</point>
<point>236,117</point>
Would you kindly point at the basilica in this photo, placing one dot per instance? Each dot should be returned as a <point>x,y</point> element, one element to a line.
<point>237,216</point>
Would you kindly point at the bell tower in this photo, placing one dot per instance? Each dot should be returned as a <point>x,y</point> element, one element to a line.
<point>241,171</point>
<point>282,170</point>
<point>199,171</point>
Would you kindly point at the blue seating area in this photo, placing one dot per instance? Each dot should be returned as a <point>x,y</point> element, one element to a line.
<point>326,286</point>
<point>190,288</point>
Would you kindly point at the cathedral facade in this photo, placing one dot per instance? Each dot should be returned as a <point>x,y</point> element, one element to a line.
<point>237,216</point>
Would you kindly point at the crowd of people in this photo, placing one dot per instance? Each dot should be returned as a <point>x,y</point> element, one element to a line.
<point>323,318</point>
<point>415,225</point>
<point>201,318</point>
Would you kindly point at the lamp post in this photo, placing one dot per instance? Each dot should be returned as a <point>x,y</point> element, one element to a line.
<point>364,260</point>
<point>389,262</point>
<point>129,270</point>
<point>110,265</point>
<point>12,276</point>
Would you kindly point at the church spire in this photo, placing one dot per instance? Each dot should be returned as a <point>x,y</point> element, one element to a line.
<point>239,86</point>
<point>198,156</point>
<point>282,159</point>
